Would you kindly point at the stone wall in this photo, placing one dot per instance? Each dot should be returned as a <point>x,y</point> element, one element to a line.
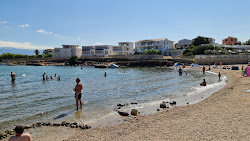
<point>225,59</point>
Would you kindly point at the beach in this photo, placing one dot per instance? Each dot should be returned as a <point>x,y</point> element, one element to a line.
<point>222,116</point>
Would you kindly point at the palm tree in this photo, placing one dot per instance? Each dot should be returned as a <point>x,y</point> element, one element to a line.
<point>36,52</point>
<point>45,52</point>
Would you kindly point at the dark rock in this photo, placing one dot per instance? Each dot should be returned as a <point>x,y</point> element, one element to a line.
<point>158,109</point>
<point>74,123</point>
<point>46,124</point>
<point>123,113</point>
<point>39,123</point>
<point>120,105</point>
<point>163,105</point>
<point>56,124</point>
<point>133,103</point>
<point>73,126</point>
<point>82,127</point>
<point>173,103</point>
<point>26,127</point>
<point>134,112</point>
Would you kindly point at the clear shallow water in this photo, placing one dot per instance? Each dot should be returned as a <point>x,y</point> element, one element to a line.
<point>30,99</point>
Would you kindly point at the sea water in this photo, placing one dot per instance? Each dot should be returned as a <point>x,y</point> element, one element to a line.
<point>30,99</point>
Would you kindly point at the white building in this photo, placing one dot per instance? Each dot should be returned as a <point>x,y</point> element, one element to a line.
<point>68,51</point>
<point>51,51</point>
<point>183,44</point>
<point>158,44</point>
<point>123,48</point>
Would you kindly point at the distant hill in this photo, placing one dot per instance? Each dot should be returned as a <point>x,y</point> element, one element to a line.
<point>17,51</point>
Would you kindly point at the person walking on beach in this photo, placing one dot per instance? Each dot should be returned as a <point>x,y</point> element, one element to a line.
<point>19,135</point>
<point>78,94</point>
<point>219,75</point>
<point>203,69</point>
<point>13,76</point>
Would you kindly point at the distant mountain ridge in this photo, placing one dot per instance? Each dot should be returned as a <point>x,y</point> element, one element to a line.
<point>17,51</point>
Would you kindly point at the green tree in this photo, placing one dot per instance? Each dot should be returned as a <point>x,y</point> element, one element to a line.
<point>247,42</point>
<point>200,40</point>
<point>45,52</point>
<point>73,61</point>
<point>36,52</point>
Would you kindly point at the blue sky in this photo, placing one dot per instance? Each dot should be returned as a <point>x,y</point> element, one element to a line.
<point>51,23</point>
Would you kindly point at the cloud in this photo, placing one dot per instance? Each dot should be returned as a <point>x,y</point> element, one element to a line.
<point>25,45</point>
<point>57,35</point>
<point>23,26</point>
<point>44,32</point>
<point>3,22</point>
<point>8,27</point>
<point>97,43</point>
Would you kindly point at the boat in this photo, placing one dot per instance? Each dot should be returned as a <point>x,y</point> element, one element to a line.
<point>113,66</point>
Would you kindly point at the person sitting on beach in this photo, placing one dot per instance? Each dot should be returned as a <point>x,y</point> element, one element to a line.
<point>19,135</point>
<point>180,71</point>
<point>78,94</point>
<point>44,76</point>
<point>247,70</point>
<point>204,83</point>
<point>13,76</point>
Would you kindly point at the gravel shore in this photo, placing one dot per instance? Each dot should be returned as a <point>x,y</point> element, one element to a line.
<point>225,115</point>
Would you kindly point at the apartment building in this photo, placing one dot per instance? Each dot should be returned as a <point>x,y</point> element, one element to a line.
<point>230,41</point>
<point>123,48</point>
<point>68,51</point>
<point>158,44</point>
<point>183,44</point>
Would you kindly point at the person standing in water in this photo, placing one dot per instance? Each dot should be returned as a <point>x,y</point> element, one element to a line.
<point>13,76</point>
<point>180,71</point>
<point>219,76</point>
<point>44,75</point>
<point>203,69</point>
<point>78,93</point>
<point>105,74</point>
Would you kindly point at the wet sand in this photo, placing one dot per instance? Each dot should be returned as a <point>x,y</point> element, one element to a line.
<point>225,115</point>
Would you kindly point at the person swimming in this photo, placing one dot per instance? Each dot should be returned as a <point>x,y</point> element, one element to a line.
<point>204,83</point>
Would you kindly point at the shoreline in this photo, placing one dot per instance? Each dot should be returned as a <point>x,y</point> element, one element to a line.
<point>121,121</point>
<point>203,120</point>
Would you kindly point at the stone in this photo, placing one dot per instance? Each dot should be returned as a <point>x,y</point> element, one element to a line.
<point>123,113</point>
<point>133,103</point>
<point>73,126</point>
<point>163,105</point>
<point>158,109</point>
<point>134,112</point>
<point>46,124</point>
<point>173,103</point>
<point>120,105</point>
<point>26,127</point>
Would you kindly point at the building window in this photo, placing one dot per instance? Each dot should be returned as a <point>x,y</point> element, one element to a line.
<point>232,39</point>
<point>225,39</point>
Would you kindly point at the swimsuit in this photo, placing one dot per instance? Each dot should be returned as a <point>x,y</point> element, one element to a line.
<point>79,96</point>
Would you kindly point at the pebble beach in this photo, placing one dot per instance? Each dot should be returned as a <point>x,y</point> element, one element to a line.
<point>222,116</point>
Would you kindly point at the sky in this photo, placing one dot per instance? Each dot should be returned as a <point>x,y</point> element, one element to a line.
<point>41,24</point>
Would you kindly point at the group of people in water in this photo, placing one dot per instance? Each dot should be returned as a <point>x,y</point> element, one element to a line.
<point>46,77</point>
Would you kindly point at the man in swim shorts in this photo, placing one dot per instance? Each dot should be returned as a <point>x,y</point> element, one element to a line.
<point>78,94</point>
<point>13,76</point>
<point>204,83</point>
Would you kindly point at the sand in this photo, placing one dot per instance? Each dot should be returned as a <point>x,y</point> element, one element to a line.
<point>225,115</point>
